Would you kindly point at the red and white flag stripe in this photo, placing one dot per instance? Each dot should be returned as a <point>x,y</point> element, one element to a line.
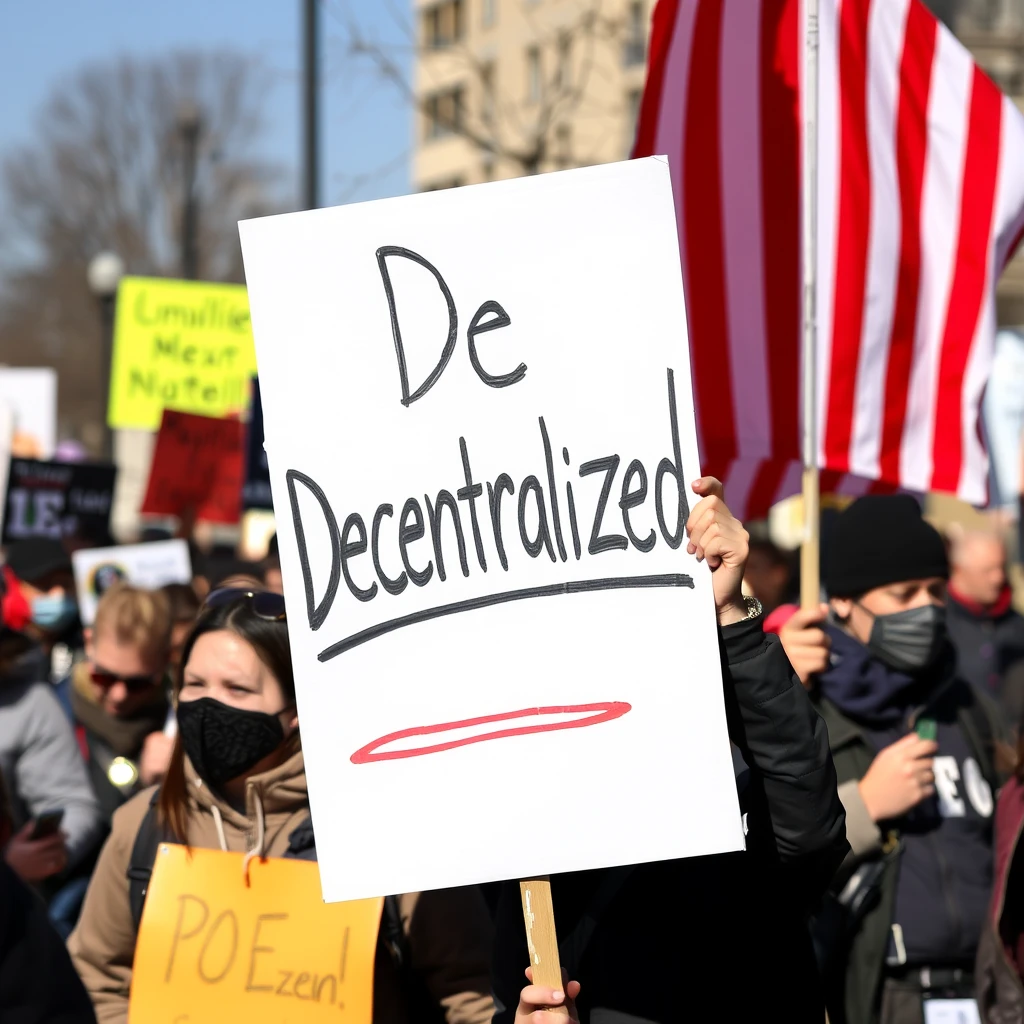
<point>920,205</point>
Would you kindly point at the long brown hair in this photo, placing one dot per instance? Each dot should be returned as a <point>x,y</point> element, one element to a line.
<point>269,639</point>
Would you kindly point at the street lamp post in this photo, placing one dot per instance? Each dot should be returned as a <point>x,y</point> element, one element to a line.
<point>310,114</point>
<point>104,274</point>
<point>190,125</point>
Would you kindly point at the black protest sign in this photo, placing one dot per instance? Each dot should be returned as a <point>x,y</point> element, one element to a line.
<point>256,491</point>
<point>58,500</point>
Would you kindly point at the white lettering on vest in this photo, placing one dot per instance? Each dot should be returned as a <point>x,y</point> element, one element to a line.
<point>978,790</point>
<point>947,775</point>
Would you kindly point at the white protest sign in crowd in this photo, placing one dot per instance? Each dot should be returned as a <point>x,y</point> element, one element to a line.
<point>145,565</point>
<point>478,417</point>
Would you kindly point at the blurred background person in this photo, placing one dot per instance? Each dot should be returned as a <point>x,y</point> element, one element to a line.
<point>120,694</point>
<point>43,768</point>
<point>769,574</point>
<point>47,583</point>
<point>250,796</point>
<point>184,605</point>
<point>915,752</point>
<point>38,983</point>
<point>1000,965</point>
<point>1003,413</point>
<point>987,632</point>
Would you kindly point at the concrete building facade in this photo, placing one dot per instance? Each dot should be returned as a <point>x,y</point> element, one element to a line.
<point>512,87</point>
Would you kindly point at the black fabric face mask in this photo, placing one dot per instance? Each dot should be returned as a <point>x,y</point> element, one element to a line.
<point>223,742</point>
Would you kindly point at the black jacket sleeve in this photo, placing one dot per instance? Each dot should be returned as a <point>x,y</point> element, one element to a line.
<point>794,815</point>
<point>37,979</point>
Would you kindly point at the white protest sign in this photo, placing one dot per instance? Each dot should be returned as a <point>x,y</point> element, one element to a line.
<point>31,392</point>
<point>479,424</point>
<point>145,565</point>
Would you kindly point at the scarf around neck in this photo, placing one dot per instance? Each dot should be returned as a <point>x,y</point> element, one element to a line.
<point>124,736</point>
<point>868,691</point>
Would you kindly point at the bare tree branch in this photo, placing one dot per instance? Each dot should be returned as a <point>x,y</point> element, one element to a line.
<point>106,171</point>
<point>519,133</point>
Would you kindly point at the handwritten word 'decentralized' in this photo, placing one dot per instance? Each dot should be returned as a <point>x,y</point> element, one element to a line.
<point>535,498</point>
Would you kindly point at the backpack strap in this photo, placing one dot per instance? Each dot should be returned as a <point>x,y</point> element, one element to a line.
<point>140,865</point>
<point>978,721</point>
<point>392,933</point>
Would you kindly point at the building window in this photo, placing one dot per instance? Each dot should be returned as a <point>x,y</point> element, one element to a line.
<point>442,24</point>
<point>633,100</point>
<point>487,105</point>
<point>563,146</point>
<point>634,49</point>
<point>443,113</point>
<point>490,13</point>
<point>563,70</point>
<point>533,86</point>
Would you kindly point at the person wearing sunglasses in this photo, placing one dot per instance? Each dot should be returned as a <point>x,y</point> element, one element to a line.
<point>249,796</point>
<point>119,694</point>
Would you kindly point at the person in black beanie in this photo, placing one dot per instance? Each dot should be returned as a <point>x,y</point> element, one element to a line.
<point>914,749</point>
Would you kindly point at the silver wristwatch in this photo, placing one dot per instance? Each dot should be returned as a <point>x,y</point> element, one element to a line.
<point>753,607</point>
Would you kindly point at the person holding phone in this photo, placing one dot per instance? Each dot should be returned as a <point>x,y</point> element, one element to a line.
<point>915,750</point>
<point>43,767</point>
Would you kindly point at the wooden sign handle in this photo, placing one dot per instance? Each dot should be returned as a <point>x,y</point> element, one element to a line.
<point>541,939</point>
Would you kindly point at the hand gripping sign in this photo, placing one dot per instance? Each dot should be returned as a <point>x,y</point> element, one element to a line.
<point>213,949</point>
<point>480,434</point>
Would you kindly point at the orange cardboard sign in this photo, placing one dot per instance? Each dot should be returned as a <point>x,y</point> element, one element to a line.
<point>212,949</point>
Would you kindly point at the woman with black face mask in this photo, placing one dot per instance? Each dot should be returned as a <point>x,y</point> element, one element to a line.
<point>914,748</point>
<point>237,782</point>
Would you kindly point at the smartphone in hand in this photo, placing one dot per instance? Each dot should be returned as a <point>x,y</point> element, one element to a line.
<point>47,824</point>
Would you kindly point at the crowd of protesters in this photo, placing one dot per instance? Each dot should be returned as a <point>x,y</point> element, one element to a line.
<point>877,758</point>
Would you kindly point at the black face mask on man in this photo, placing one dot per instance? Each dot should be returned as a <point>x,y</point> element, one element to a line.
<point>909,641</point>
<point>223,742</point>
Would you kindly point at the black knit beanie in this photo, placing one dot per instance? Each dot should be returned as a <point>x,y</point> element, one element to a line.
<point>878,540</point>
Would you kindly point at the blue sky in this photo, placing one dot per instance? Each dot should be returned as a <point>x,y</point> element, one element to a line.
<point>365,123</point>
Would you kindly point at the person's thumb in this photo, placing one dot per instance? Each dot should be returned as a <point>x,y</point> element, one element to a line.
<point>708,485</point>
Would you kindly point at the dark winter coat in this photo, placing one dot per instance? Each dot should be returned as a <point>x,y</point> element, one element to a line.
<point>721,937</point>
<point>38,984</point>
<point>989,643</point>
<point>854,984</point>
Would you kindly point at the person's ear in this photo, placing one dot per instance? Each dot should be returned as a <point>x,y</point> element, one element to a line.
<point>87,636</point>
<point>841,607</point>
<point>293,721</point>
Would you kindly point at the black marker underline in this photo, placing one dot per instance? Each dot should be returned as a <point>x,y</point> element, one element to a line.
<point>581,587</point>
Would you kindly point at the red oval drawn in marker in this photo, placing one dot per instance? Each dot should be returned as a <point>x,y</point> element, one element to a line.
<point>593,714</point>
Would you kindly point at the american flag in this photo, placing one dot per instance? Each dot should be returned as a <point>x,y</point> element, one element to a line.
<point>920,206</point>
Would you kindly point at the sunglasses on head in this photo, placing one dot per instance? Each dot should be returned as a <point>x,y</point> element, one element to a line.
<point>134,684</point>
<point>264,604</point>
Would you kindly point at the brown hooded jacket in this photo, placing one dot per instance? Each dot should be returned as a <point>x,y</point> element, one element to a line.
<point>448,931</point>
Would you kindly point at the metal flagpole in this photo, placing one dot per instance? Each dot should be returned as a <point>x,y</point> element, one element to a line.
<point>810,569</point>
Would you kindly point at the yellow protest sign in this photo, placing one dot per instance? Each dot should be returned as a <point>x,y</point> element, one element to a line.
<point>212,949</point>
<point>183,345</point>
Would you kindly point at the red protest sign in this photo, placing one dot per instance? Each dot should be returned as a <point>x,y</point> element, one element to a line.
<point>198,468</point>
